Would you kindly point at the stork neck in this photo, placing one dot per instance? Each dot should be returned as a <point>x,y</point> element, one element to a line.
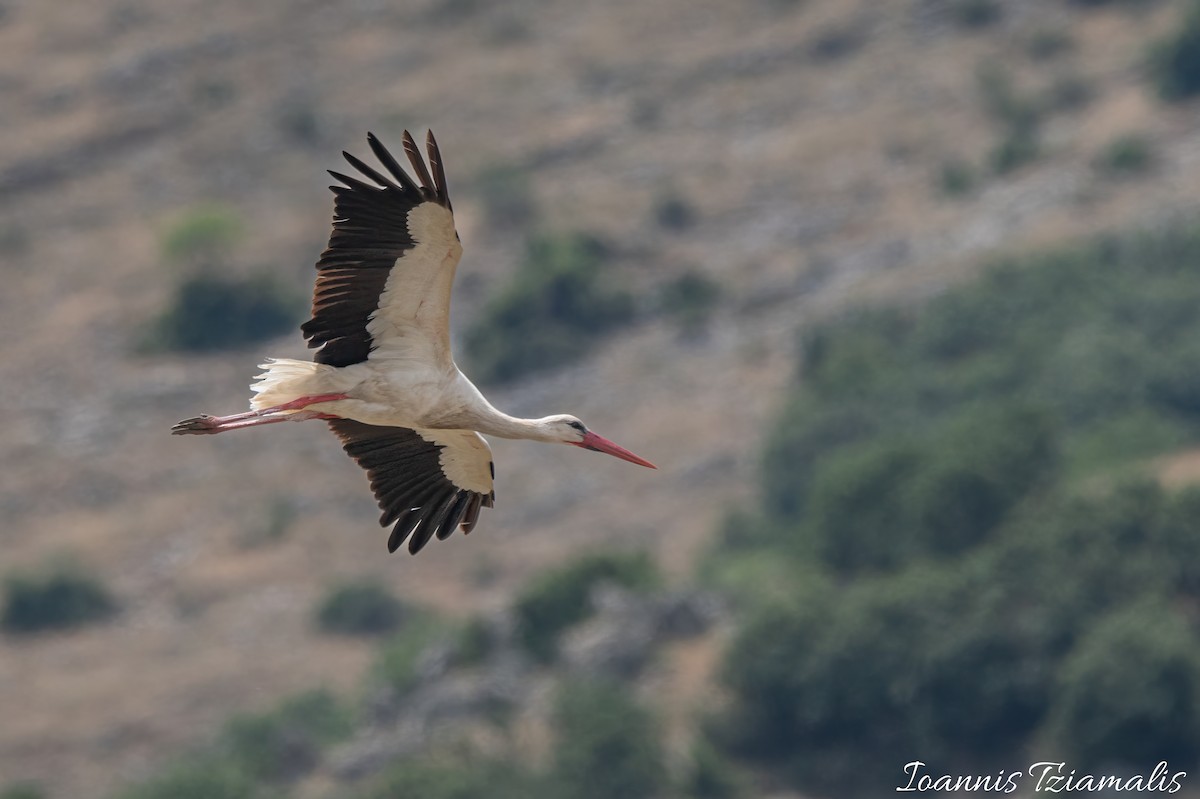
<point>501,425</point>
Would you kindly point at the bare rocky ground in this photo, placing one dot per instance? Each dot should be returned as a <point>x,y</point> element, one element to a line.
<point>807,136</point>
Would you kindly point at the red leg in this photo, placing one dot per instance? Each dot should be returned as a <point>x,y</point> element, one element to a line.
<point>287,412</point>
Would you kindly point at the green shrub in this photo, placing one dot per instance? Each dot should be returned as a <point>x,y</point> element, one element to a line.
<point>1175,59</point>
<point>606,745</point>
<point>1125,155</point>
<point>837,690</point>
<point>474,778</point>
<point>956,178</point>
<point>710,776</point>
<point>202,778</point>
<point>359,609</point>
<point>22,790</point>
<point>976,13</point>
<point>673,212</point>
<point>399,656</point>
<point>1049,43</point>
<point>209,313</point>
<point>203,237</point>
<point>882,504</point>
<point>62,598</point>
<point>1018,116</point>
<point>559,303</point>
<point>690,300</point>
<point>285,744</point>
<point>560,598</point>
<point>1130,691</point>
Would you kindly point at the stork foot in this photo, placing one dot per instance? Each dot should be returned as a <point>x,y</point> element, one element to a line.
<point>197,426</point>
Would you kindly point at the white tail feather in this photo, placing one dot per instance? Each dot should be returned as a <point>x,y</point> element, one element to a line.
<point>284,380</point>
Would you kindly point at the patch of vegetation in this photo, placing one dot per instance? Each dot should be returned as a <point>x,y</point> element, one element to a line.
<point>606,744</point>
<point>256,755</point>
<point>22,790</point>
<point>1152,646</point>
<point>560,598</point>
<point>361,608</point>
<point>710,775</point>
<point>561,301</point>
<point>1046,44</point>
<point>1130,154</point>
<point>961,659</point>
<point>425,779</point>
<point>286,743</point>
<point>399,658</point>
<point>1019,117</point>
<point>976,13</point>
<point>204,236</point>
<point>62,598</point>
<point>956,178</point>
<point>208,313</point>
<point>474,642</point>
<point>201,778</point>
<point>690,300</point>
<point>210,310</point>
<point>1175,59</point>
<point>673,212</point>
<point>1069,91</point>
<point>940,566</point>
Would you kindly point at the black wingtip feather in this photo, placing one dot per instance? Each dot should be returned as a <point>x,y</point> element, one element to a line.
<point>392,165</point>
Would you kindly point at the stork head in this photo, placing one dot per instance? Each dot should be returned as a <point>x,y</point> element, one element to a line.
<point>569,430</point>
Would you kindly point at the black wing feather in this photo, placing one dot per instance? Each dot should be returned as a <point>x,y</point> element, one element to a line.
<point>370,231</point>
<point>407,479</point>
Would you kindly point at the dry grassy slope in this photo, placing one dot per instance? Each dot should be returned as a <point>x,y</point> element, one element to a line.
<point>814,182</point>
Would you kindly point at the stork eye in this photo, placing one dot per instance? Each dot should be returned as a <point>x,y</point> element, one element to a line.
<point>578,426</point>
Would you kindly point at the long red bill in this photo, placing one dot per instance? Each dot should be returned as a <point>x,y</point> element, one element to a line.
<point>601,444</point>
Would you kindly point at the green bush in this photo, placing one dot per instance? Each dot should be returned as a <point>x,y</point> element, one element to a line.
<point>882,504</point>
<point>474,778</point>
<point>673,212</point>
<point>399,656</point>
<point>359,609</point>
<point>285,744</point>
<point>208,313</point>
<point>203,237</point>
<point>198,779</point>
<point>62,598</point>
<point>976,13</point>
<point>690,300</point>
<point>837,690</point>
<point>964,660</point>
<point>710,776</point>
<point>1130,691</point>
<point>1126,155</point>
<point>956,178</point>
<point>1175,59</point>
<point>606,745</point>
<point>560,598</point>
<point>1049,43</point>
<point>22,790</point>
<point>559,303</point>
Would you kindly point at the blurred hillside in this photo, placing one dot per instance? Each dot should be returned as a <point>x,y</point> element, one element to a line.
<point>798,158</point>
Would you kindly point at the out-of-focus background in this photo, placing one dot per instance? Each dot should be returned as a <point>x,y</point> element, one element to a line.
<point>902,298</point>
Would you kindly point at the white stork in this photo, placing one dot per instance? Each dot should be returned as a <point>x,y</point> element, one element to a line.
<point>383,375</point>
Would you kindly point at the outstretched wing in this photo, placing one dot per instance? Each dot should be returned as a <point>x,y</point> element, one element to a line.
<point>384,281</point>
<point>428,482</point>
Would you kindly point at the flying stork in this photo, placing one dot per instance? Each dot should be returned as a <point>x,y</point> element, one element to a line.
<point>383,376</point>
